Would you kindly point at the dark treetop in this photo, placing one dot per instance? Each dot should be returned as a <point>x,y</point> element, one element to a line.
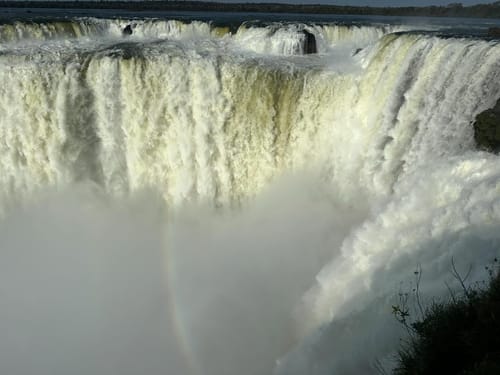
<point>451,10</point>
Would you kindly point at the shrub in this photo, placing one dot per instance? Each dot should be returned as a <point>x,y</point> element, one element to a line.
<point>459,337</point>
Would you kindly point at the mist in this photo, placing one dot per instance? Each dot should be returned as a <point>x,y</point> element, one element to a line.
<point>84,289</point>
<point>97,285</point>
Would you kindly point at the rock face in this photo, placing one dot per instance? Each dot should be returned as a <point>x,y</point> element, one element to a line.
<point>309,43</point>
<point>487,129</point>
<point>494,31</point>
<point>127,30</point>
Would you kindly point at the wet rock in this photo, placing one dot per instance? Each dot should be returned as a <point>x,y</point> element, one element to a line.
<point>127,30</point>
<point>487,129</point>
<point>309,43</point>
<point>358,50</point>
<point>494,31</point>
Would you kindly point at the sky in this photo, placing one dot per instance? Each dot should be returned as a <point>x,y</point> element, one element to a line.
<point>373,3</point>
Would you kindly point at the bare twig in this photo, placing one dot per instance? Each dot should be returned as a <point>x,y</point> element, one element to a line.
<point>452,293</point>
<point>461,279</point>
<point>402,312</point>
<point>418,276</point>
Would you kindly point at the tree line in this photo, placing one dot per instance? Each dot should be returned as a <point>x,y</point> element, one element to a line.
<point>451,10</point>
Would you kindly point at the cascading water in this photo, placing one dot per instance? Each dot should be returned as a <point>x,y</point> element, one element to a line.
<point>345,170</point>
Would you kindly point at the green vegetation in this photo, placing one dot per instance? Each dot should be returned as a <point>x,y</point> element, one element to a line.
<point>451,10</point>
<point>460,337</point>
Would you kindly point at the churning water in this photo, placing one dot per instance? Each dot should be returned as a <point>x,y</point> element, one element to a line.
<point>196,198</point>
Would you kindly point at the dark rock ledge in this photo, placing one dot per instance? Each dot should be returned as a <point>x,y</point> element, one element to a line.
<point>309,42</point>
<point>487,129</point>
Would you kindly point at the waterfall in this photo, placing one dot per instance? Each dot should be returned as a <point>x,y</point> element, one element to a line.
<point>376,127</point>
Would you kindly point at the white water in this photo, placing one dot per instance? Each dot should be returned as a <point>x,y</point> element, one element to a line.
<point>274,39</point>
<point>302,191</point>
